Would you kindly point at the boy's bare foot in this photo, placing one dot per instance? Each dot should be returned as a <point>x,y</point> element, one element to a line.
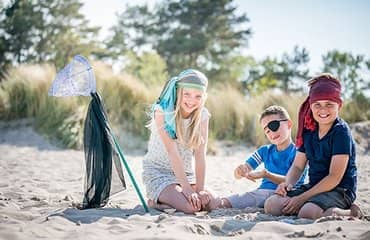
<point>213,204</point>
<point>356,211</point>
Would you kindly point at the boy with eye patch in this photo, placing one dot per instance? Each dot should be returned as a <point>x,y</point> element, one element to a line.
<point>277,158</point>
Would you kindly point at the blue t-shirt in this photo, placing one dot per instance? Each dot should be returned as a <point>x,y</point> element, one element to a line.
<point>275,161</point>
<point>319,153</point>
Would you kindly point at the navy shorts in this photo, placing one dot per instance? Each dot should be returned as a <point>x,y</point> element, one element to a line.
<point>334,198</point>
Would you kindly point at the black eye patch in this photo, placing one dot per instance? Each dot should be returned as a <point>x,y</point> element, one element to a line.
<point>275,124</point>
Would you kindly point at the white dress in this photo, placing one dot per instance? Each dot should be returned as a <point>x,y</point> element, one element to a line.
<point>157,170</point>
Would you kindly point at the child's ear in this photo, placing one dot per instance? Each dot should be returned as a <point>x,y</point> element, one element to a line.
<point>290,123</point>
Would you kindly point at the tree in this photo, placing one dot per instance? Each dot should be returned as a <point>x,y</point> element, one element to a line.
<point>352,70</point>
<point>286,74</point>
<point>199,34</point>
<point>149,67</point>
<point>36,31</point>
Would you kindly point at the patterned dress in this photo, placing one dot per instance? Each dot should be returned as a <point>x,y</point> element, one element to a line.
<point>157,169</point>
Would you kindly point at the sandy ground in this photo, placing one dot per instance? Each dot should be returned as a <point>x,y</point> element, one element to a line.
<point>40,184</point>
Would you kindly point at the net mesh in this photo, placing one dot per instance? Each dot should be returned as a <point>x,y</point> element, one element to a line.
<point>75,79</point>
<point>100,156</point>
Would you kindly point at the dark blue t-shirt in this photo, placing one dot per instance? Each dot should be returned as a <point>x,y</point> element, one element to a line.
<point>319,153</point>
<point>275,161</point>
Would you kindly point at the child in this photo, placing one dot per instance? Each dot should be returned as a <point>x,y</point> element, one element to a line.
<point>325,143</point>
<point>179,135</point>
<point>277,158</point>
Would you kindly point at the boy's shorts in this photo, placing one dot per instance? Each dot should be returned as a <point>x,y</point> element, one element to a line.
<point>334,198</point>
<point>254,198</point>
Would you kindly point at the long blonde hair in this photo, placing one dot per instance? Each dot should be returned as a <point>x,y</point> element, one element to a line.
<point>192,138</point>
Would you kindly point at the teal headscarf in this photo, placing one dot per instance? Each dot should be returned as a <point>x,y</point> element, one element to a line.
<point>189,78</point>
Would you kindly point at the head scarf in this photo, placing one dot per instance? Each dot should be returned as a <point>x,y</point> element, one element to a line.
<point>322,87</point>
<point>189,78</point>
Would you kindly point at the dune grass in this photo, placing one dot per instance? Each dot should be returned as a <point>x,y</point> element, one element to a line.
<point>24,94</point>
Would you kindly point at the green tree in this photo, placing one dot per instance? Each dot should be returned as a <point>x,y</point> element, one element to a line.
<point>352,70</point>
<point>200,34</point>
<point>286,74</point>
<point>149,67</point>
<point>36,31</point>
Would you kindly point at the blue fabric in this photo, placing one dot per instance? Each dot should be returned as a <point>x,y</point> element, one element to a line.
<point>319,153</point>
<point>167,101</point>
<point>275,161</point>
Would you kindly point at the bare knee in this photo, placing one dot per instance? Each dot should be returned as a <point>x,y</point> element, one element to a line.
<point>310,211</point>
<point>188,209</point>
<point>273,205</point>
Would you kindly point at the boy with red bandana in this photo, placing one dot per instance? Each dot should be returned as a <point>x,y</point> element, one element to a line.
<point>325,143</point>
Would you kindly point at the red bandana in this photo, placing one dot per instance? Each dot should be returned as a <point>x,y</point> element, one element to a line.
<point>323,87</point>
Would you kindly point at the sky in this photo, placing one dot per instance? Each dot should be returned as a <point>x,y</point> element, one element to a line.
<point>279,25</point>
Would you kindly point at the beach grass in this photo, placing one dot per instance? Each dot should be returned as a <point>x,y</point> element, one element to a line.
<point>234,116</point>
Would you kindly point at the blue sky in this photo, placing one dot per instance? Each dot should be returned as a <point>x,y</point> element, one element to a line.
<point>278,26</point>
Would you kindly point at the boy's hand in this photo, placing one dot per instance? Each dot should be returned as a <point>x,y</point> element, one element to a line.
<point>283,188</point>
<point>242,171</point>
<point>256,175</point>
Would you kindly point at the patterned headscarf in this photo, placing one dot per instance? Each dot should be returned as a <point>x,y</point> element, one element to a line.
<point>322,87</point>
<point>189,78</point>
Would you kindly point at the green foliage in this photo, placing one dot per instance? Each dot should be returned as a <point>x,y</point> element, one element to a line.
<point>231,118</point>
<point>24,95</point>
<point>286,74</point>
<point>44,31</point>
<point>149,67</point>
<point>350,69</point>
<point>197,34</point>
<point>234,117</point>
<point>356,109</point>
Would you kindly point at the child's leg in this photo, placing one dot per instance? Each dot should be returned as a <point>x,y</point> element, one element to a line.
<point>171,197</point>
<point>311,211</point>
<point>158,206</point>
<point>353,211</point>
<point>331,203</point>
<point>218,202</point>
<point>254,198</point>
<point>275,204</point>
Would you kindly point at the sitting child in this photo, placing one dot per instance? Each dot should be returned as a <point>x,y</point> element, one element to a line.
<point>277,158</point>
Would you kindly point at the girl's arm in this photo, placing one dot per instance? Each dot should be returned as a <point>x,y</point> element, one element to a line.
<point>173,153</point>
<point>200,154</point>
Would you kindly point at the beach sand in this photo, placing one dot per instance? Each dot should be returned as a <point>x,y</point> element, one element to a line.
<point>40,184</point>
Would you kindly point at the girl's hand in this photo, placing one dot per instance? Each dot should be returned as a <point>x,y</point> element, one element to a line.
<point>204,197</point>
<point>192,197</point>
<point>283,188</point>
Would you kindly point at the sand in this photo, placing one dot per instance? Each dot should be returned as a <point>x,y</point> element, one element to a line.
<point>40,184</point>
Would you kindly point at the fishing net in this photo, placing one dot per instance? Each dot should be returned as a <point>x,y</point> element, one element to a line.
<point>102,151</point>
<point>99,153</point>
<point>75,79</point>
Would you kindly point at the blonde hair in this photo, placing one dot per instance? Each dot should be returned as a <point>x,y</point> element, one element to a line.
<point>192,138</point>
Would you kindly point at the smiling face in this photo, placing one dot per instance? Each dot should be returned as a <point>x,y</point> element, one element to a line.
<point>281,137</point>
<point>190,100</point>
<point>325,112</point>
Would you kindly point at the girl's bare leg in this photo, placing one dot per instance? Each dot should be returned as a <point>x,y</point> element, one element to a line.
<point>172,198</point>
